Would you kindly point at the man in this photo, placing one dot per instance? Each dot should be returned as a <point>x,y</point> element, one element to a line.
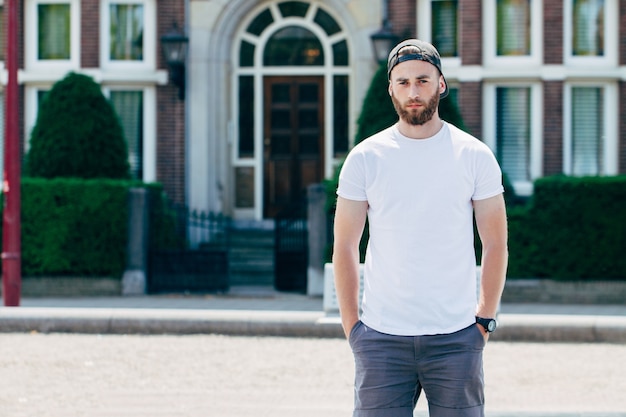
<point>419,183</point>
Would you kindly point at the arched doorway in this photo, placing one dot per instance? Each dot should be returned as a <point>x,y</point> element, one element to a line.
<point>291,103</point>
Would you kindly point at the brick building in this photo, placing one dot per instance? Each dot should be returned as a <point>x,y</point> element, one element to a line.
<point>274,87</point>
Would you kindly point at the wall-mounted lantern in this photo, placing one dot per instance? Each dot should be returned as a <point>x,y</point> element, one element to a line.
<point>174,45</point>
<point>382,42</point>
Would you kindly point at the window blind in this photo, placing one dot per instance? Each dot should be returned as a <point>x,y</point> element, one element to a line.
<point>587,130</point>
<point>588,28</point>
<point>444,27</point>
<point>129,108</point>
<point>53,36</point>
<point>2,33</point>
<point>513,131</point>
<point>513,27</point>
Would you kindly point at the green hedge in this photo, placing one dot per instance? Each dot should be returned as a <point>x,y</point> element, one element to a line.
<point>77,227</point>
<point>74,227</point>
<point>572,229</point>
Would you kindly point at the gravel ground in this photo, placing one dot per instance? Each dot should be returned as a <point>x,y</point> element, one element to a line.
<point>68,375</point>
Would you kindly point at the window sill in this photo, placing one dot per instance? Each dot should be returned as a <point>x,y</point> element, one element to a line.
<point>143,76</point>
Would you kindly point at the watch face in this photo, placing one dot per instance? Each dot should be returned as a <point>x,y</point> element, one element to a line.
<point>491,326</point>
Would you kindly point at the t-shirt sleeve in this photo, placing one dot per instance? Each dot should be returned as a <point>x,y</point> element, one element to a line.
<point>352,178</point>
<point>488,180</point>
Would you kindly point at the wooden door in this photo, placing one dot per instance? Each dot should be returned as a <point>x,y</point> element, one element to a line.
<point>294,138</point>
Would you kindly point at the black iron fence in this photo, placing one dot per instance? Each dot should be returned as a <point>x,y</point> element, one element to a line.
<point>191,254</point>
<point>291,249</point>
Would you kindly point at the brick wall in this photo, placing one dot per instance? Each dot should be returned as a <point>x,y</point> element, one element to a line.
<point>622,128</point>
<point>90,34</point>
<point>169,13</point>
<point>552,127</point>
<point>553,32</point>
<point>403,16</point>
<point>471,32</point>
<point>171,142</point>
<point>622,32</point>
<point>553,90</point>
<point>622,89</point>
<point>170,112</point>
<point>470,105</point>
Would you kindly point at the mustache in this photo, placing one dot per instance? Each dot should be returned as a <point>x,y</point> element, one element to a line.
<point>415,101</point>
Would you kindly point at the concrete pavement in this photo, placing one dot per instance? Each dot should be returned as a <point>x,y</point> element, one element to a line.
<point>265,312</point>
<point>208,375</point>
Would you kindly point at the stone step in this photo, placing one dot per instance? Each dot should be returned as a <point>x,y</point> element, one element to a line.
<point>251,278</point>
<point>251,257</point>
<point>252,238</point>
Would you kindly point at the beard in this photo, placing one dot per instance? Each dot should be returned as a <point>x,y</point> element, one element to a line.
<point>416,117</point>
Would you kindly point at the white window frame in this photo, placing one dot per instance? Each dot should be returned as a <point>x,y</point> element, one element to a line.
<point>522,188</point>
<point>30,109</point>
<point>610,145</point>
<point>32,62</point>
<point>2,65</point>
<point>149,38</point>
<point>490,56</point>
<point>424,31</point>
<point>149,126</point>
<point>611,38</point>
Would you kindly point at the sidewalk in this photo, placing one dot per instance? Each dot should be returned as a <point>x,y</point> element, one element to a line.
<point>263,311</point>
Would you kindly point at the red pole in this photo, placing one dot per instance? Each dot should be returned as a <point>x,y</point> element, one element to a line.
<point>11,234</point>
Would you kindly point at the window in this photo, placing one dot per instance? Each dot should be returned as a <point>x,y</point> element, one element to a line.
<point>587,131</point>
<point>128,105</point>
<point>444,27</point>
<point>438,23</point>
<point>590,146</point>
<point>136,108</point>
<point>513,128</point>
<point>513,27</point>
<point>588,27</point>
<point>128,31</point>
<point>513,132</point>
<point>2,32</point>
<point>33,97</point>
<point>53,31</point>
<point>246,116</point>
<point>591,31</point>
<point>126,28</point>
<point>293,45</point>
<point>513,32</point>
<point>52,34</point>
<point>341,116</point>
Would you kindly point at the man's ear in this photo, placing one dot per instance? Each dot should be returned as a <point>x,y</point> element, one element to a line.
<point>389,89</point>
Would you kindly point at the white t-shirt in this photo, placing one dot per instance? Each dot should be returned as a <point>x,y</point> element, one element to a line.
<point>420,267</point>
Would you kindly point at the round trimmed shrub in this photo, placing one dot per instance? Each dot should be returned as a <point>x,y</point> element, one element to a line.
<point>77,134</point>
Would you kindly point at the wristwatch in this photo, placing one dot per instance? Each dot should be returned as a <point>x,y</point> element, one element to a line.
<point>489,324</point>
